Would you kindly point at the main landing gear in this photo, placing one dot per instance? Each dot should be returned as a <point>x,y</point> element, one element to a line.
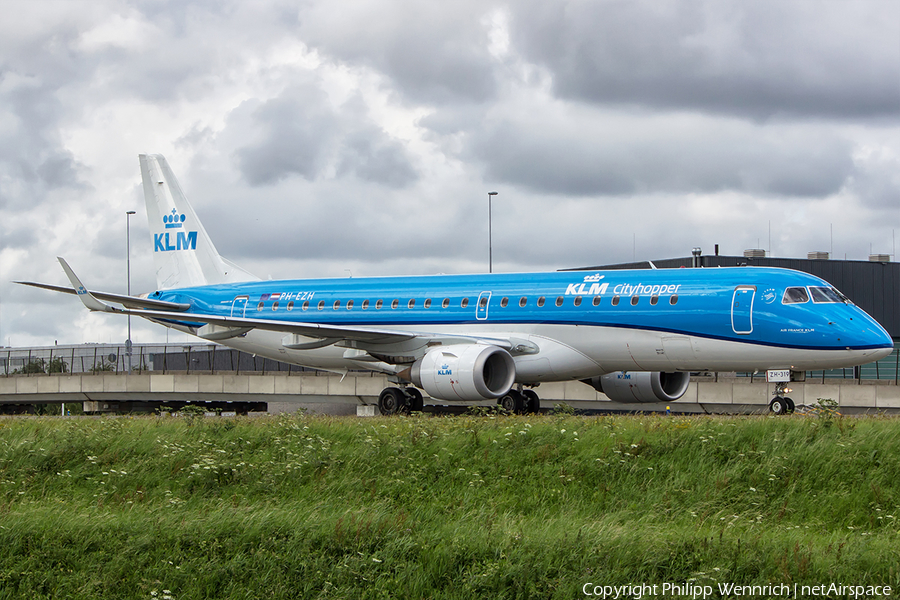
<point>394,400</point>
<point>520,402</point>
<point>400,400</point>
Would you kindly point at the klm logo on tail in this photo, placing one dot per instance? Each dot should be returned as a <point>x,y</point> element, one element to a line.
<point>183,240</point>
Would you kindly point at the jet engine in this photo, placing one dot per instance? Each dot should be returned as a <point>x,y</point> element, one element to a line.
<point>469,372</point>
<point>641,386</point>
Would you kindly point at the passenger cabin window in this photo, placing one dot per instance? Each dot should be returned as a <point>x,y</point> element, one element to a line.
<point>337,304</point>
<point>305,305</point>
<point>483,302</point>
<point>427,302</point>
<point>445,303</point>
<point>654,299</point>
<point>523,301</point>
<point>635,299</point>
<point>260,306</point>
<point>464,303</point>
<point>290,306</point>
<point>615,300</point>
<point>379,304</point>
<point>275,305</point>
<point>541,301</point>
<point>559,300</point>
<point>365,304</point>
<point>596,301</point>
<point>577,300</point>
<point>504,301</point>
<point>412,303</point>
<point>395,303</point>
<point>349,304</point>
<point>795,295</point>
<point>825,294</point>
<point>673,300</point>
<point>321,305</point>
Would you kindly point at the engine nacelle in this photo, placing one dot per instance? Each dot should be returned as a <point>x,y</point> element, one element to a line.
<point>641,386</point>
<point>467,372</point>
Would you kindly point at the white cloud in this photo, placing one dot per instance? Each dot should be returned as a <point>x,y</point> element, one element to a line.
<point>365,136</point>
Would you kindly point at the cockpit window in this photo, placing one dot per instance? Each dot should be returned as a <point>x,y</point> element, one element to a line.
<point>795,295</point>
<point>842,296</point>
<point>826,294</point>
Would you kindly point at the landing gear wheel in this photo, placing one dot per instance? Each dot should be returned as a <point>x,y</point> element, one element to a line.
<point>416,402</point>
<point>513,402</point>
<point>778,406</point>
<point>532,402</point>
<point>391,401</point>
<point>790,405</point>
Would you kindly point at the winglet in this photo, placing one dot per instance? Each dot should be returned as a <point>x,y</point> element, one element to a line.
<point>86,297</point>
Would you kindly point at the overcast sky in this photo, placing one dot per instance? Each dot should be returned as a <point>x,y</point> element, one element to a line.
<point>328,138</point>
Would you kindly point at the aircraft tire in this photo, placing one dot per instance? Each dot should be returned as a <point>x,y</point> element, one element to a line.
<point>532,402</point>
<point>778,406</point>
<point>415,402</point>
<point>513,402</point>
<point>789,409</point>
<point>391,401</point>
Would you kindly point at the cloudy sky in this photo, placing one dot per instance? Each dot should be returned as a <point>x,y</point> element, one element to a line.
<point>322,139</point>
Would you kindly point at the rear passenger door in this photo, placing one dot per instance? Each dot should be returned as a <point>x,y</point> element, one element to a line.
<point>481,307</point>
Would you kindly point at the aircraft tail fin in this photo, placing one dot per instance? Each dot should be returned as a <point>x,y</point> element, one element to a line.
<point>183,253</point>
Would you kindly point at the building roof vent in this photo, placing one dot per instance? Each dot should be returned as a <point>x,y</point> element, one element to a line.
<point>879,258</point>
<point>755,253</point>
<point>817,255</point>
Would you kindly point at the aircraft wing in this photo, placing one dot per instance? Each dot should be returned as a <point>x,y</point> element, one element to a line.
<point>223,327</point>
<point>128,301</point>
<point>366,337</point>
<point>316,330</point>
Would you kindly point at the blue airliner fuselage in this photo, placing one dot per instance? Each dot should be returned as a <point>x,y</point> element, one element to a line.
<point>634,335</point>
<point>678,319</point>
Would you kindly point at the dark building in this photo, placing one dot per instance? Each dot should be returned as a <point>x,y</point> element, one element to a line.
<point>873,285</point>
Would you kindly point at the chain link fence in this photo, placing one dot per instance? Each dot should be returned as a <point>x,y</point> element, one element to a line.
<point>155,358</point>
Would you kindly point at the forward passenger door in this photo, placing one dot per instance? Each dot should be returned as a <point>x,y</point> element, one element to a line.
<point>742,309</point>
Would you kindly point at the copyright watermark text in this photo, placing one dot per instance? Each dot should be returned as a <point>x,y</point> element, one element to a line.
<point>693,590</point>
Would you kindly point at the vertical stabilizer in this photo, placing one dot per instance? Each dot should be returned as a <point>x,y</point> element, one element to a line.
<point>183,253</point>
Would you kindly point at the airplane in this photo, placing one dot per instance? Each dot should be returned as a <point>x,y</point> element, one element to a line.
<point>634,335</point>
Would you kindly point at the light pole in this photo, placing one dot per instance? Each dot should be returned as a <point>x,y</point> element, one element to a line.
<point>128,268</point>
<point>490,240</point>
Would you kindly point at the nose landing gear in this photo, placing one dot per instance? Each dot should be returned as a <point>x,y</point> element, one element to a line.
<point>781,404</point>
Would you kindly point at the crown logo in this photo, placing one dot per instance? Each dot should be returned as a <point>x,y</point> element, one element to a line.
<point>173,220</point>
<point>596,277</point>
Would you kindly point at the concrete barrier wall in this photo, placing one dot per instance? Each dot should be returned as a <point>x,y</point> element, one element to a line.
<point>365,390</point>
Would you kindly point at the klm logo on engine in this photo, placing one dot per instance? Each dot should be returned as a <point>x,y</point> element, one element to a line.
<point>445,370</point>
<point>174,240</point>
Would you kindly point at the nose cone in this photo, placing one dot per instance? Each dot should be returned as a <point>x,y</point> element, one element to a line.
<point>865,334</point>
<point>887,346</point>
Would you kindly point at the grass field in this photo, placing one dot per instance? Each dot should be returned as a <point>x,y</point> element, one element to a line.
<point>461,507</point>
